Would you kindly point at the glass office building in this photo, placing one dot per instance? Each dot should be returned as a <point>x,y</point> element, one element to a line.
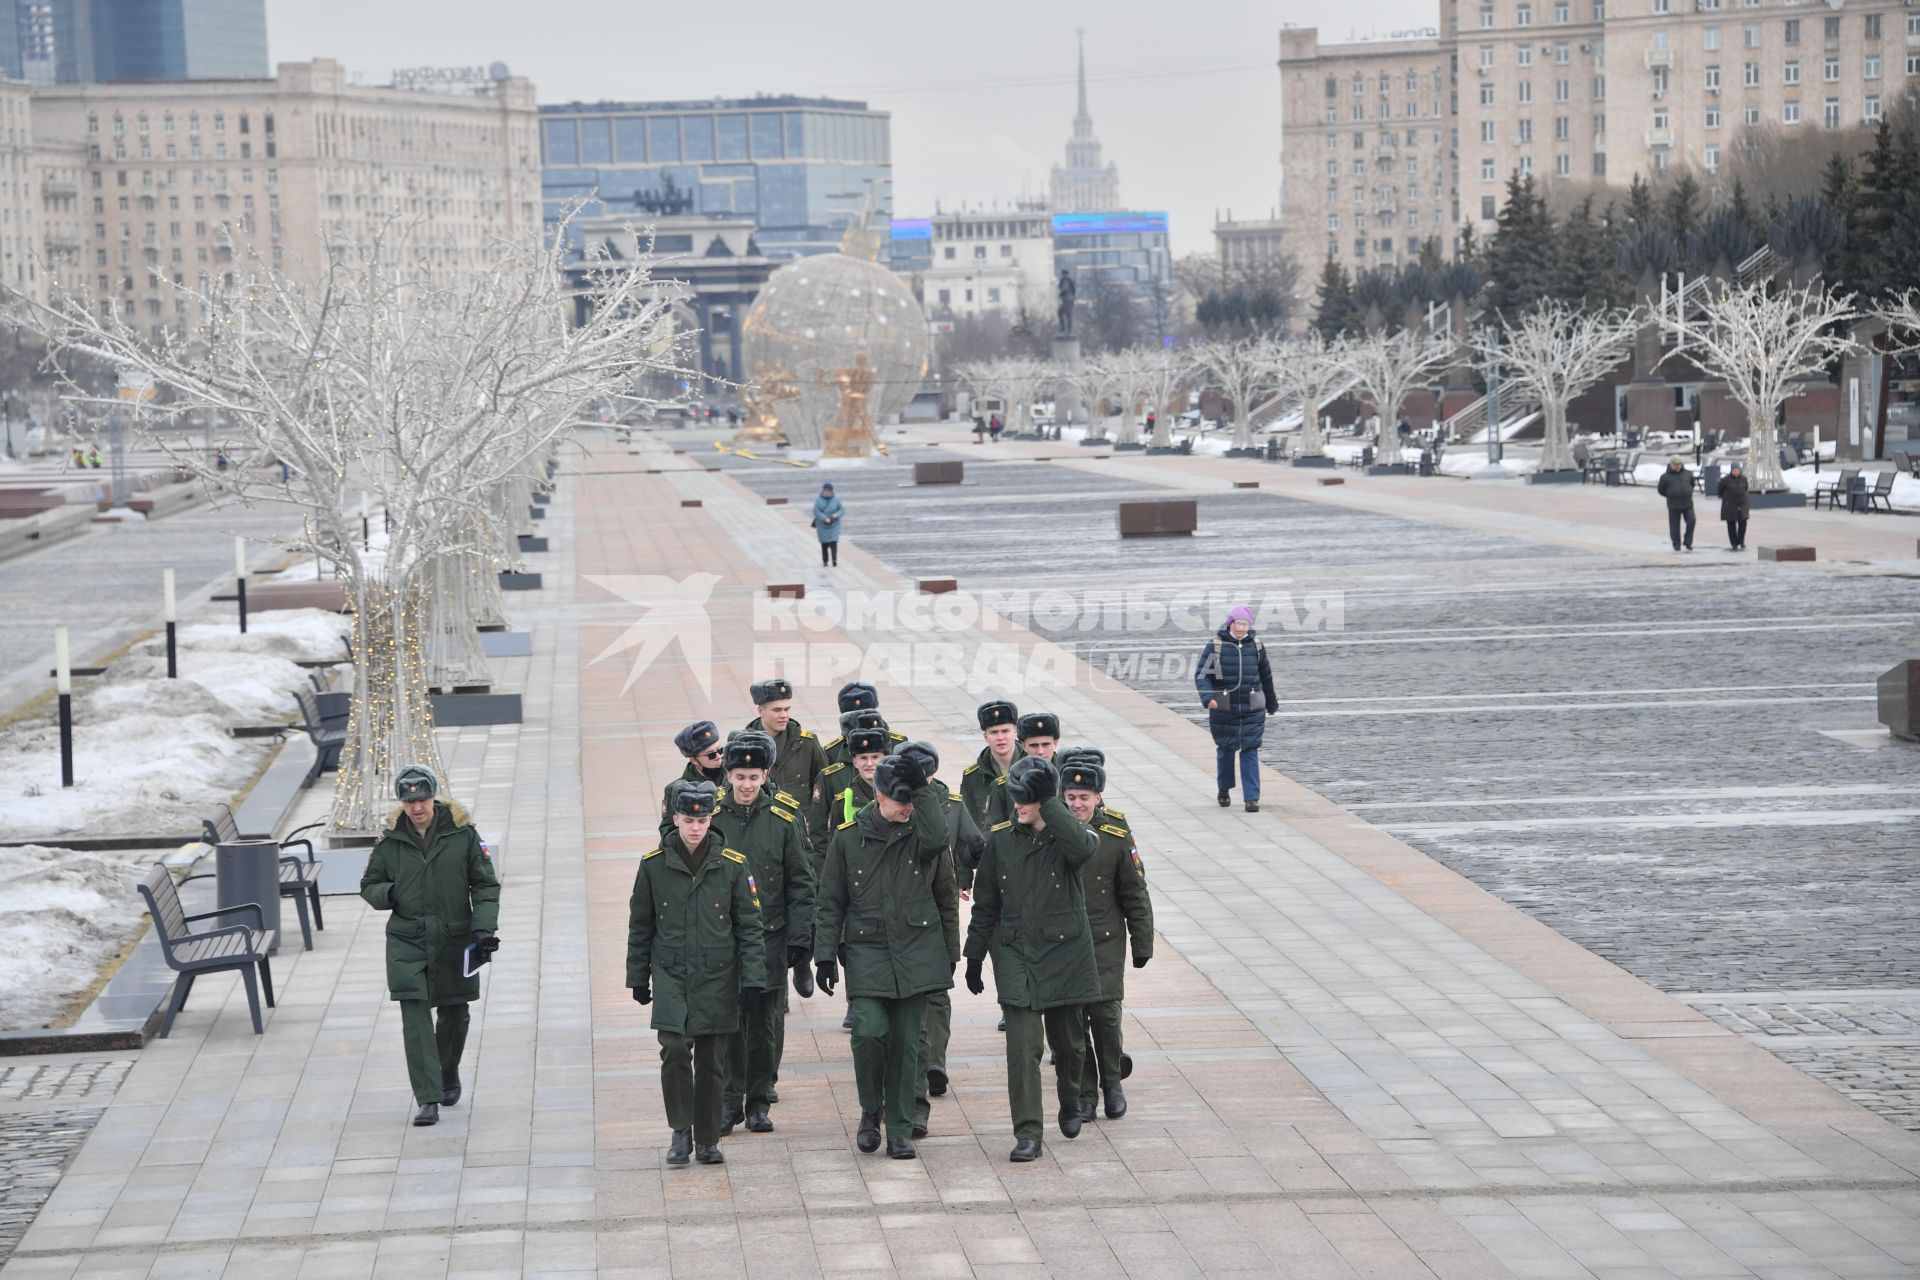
<point>800,168</point>
<point>88,41</point>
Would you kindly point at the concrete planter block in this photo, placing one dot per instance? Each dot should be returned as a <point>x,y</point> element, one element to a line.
<point>528,542</point>
<point>1333,479</point>
<point>689,502</point>
<point>1246,484</point>
<point>1313,462</point>
<point>1391,469</point>
<point>511,581</point>
<point>1776,500</point>
<point>1556,477</point>
<point>787,590</point>
<point>1159,519</point>
<point>507,644</point>
<point>1787,553</point>
<point>1899,691</point>
<point>452,710</point>
<point>937,586</point>
<point>939,472</point>
<point>538,513</point>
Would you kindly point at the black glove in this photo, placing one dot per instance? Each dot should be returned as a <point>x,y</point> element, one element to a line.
<point>643,994</point>
<point>1140,962</point>
<point>912,770</point>
<point>802,981</point>
<point>796,956</point>
<point>485,939</point>
<point>1273,711</point>
<point>827,974</point>
<point>975,983</point>
<point>749,999</point>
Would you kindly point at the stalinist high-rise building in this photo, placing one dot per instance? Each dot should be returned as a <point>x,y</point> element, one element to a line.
<point>1083,184</point>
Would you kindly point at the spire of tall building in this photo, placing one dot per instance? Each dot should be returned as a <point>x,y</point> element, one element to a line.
<point>1083,184</point>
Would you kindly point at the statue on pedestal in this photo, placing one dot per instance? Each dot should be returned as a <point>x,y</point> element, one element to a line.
<point>1067,293</point>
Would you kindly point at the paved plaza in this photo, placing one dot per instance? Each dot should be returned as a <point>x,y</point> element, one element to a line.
<point>1564,839</point>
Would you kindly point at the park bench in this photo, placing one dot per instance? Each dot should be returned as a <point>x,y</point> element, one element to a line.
<point>1841,486</point>
<point>299,877</point>
<point>1903,465</point>
<point>327,740</point>
<point>191,954</point>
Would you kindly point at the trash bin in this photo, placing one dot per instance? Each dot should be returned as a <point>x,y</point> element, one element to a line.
<point>248,871</point>
<point>1710,480</point>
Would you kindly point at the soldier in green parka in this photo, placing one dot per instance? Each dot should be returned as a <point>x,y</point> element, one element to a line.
<point>1029,911</point>
<point>1118,909</point>
<point>431,871</point>
<point>759,824</point>
<point>876,899</point>
<point>696,953</point>
<point>798,754</point>
<point>700,743</point>
<point>998,720</point>
<point>859,709</point>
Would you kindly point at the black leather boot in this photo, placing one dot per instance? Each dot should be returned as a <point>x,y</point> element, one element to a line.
<point>868,1138</point>
<point>450,1094</point>
<point>1070,1120</point>
<point>921,1114</point>
<point>707,1154</point>
<point>1086,1110</point>
<point>429,1114</point>
<point>1025,1149</point>
<point>730,1115</point>
<point>758,1121</point>
<point>937,1081</point>
<point>900,1148</point>
<point>682,1149</point>
<point>1116,1102</point>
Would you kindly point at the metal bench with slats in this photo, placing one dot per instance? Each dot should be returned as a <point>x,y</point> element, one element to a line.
<point>327,739</point>
<point>191,954</point>
<point>299,877</point>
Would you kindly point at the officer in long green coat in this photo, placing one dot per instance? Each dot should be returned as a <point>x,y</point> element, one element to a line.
<point>758,824</point>
<point>696,953</point>
<point>876,899</point>
<point>431,871</point>
<point>799,756</point>
<point>998,721</point>
<point>937,1029</point>
<point>1029,911</point>
<point>1119,909</point>
<point>700,743</point>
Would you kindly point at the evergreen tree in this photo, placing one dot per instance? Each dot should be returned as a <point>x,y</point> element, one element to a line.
<point>1584,274</point>
<point>1842,194</point>
<point>1521,256</point>
<point>1741,207</point>
<point>1680,210</point>
<point>1433,258</point>
<point>1640,211</point>
<point>1333,310</point>
<point>1470,247</point>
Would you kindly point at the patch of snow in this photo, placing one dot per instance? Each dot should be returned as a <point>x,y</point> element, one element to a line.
<point>286,633</point>
<point>63,914</point>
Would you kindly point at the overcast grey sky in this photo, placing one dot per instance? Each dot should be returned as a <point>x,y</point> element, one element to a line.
<point>1184,93</point>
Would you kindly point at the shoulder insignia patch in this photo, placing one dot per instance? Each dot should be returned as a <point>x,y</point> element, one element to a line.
<point>843,826</point>
<point>1112,830</point>
<point>651,853</point>
<point>1000,780</point>
<point>835,767</point>
<point>782,797</point>
<point>734,855</point>
<point>1113,813</point>
<point>782,814</point>
<point>1001,826</point>
<point>970,769</point>
<point>806,733</point>
<point>753,890</point>
<point>1138,865</point>
<point>836,742</point>
<point>897,737</point>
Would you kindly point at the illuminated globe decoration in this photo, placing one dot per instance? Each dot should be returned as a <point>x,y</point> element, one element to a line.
<point>817,317</point>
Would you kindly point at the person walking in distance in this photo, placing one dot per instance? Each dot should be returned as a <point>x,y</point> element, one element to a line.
<point>757,822</point>
<point>876,899</point>
<point>827,514</point>
<point>696,953</point>
<point>431,871</point>
<point>1119,908</point>
<point>1733,507</point>
<point>1030,913</point>
<point>1234,680</point>
<point>1676,486</point>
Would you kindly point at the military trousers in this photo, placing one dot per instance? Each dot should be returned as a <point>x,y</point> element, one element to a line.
<point>1102,1067</point>
<point>886,1057</point>
<point>935,1034</point>
<point>1028,1032</point>
<point>434,1038</point>
<point>690,1079</point>
<point>752,1054</point>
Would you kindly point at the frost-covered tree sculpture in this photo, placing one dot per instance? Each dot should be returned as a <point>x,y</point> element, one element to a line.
<point>429,388</point>
<point>1163,375</point>
<point>1552,354</point>
<point>1309,368</point>
<point>1388,366</point>
<point>1759,342</point>
<point>1242,370</point>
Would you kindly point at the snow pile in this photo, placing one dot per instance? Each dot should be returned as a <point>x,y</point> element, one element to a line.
<point>63,914</point>
<point>299,634</point>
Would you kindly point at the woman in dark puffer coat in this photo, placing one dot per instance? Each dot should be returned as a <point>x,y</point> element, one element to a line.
<point>1236,687</point>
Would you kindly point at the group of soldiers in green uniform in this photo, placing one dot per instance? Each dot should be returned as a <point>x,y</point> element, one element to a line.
<point>787,862</point>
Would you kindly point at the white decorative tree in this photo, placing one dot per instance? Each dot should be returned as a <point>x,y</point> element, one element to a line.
<point>1759,342</point>
<point>1310,368</point>
<point>432,390</point>
<point>1163,376</point>
<point>1388,366</point>
<point>1552,354</point>
<point>1243,371</point>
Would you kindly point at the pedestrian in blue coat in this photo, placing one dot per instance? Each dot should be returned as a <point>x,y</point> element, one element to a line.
<point>1236,687</point>
<point>827,512</point>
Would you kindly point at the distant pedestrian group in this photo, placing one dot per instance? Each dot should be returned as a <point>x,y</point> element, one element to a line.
<point>1676,487</point>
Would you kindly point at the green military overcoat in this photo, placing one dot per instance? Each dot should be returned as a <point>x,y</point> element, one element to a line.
<point>696,936</point>
<point>833,808</point>
<point>1028,888</point>
<point>797,762</point>
<point>1118,906</point>
<point>877,898</point>
<point>438,892</point>
<point>768,832</point>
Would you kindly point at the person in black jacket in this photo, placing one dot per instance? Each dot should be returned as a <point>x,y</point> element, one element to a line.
<point>1676,486</point>
<point>1233,681</point>
<point>1733,507</point>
